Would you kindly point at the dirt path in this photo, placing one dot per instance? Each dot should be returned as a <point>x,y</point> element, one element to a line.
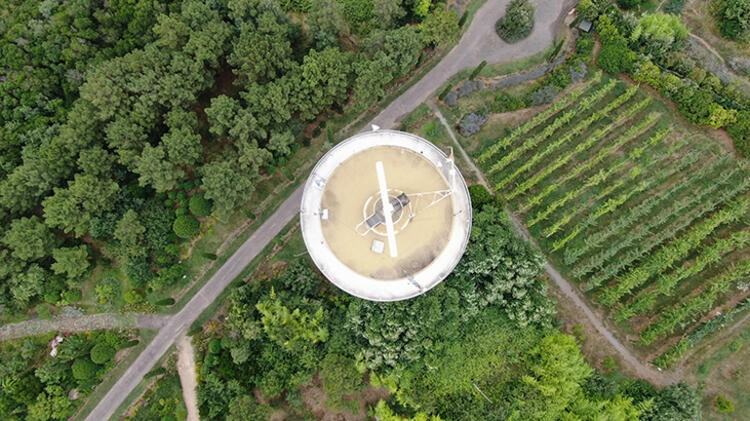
<point>708,46</point>
<point>633,365</point>
<point>188,376</point>
<point>461,151</point>
<point>81,324</point>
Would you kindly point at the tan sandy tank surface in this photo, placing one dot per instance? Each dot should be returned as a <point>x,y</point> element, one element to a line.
<point>421,230</point>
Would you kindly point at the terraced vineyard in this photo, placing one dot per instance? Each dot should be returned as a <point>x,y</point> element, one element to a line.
<point>650,220</point>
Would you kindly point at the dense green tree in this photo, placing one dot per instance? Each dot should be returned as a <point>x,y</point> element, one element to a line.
<point>518,21</point>
<point>130,234</point>
<point>733,17</point>
<point>102,353</point>
<point>84,369</point>
<point>263,50</point>
<point>185,226</point>
<point>27,285</point>
<point>95,161</point>
<point>155,169</point>
<point>441,26</point>
<point>327,23</point>
<point>246,407</point>
<point>371,78</point>
<point>387,13</point>
<point>280,143</point>
<point>658,32</point>
<point>221,114</point>
<point>740,132</point>
<point>73,262</point>
<point>421,8</point>
<point>182,142</point>
<point>614,56</point>
<point>87,196</point>
<point>499,270</point>
<point>29,239</point>
<point>322,82</point>
<point>199,205</point>
<point>291,328</point>
<point>53,404</point>
<point>339,377</point>
<point>588,9</point>
<point>678,402</point>
<point>630,4</point>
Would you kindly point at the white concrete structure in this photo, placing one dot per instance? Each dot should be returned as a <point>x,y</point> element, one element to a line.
<point>381,190</point>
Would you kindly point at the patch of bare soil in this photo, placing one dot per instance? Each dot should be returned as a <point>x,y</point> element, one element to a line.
<point>315,399</point>
<point>188,376</point>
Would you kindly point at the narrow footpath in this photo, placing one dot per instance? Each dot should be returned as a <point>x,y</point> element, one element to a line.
<point>188,376</point>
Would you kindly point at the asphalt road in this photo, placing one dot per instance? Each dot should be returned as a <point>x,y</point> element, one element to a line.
<point>478,43</point>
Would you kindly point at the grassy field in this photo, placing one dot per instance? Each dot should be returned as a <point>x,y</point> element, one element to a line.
<point>647,214</point>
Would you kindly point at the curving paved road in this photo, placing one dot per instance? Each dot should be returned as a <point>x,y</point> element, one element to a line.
<point>478,43</point>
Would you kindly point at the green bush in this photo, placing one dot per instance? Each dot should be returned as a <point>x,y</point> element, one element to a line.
<point>724,405</point>
<point>72,295</point>
<point>629,4</point>
<point>84,369</point>
<point>155,372</point>
<point>199,205</point>
<point>480,196</point>
<point>734,18</point>
<point>518,21</point>
<point>185,226</point>
<point>740,132</point>
<point>132,296</point>
<point>478,70</point>
<point>505,102</point>
<point>166,302</point>
<point>102,353</point>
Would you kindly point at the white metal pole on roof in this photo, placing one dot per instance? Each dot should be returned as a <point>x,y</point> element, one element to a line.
<point>387,209</point>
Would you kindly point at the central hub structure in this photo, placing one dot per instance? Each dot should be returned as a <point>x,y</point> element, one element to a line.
<point>385,215</point>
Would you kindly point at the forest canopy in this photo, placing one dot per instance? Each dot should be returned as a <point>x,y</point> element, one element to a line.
<point>117,114</point>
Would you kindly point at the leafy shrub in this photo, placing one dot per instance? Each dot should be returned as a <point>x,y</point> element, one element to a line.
<point>478,70</point>
<point>445,91</point>
<point>518,21</point>
<point>132,296</point>
<point>615,55</point>
<point>734,18</point>
<point>185,226</point>
<point>629,4</point>
<point>480,196</point>
<point>724,405</point>
<point>166,302</point>
<point>740,132</point>
<point>585,45</point>
<point>471,124</point>
<point>84,369</point>
<point>72,295</point>
<point>106,290</point>
<point>102,353</point>
<point>199,205</point>
<point>505,102</point>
